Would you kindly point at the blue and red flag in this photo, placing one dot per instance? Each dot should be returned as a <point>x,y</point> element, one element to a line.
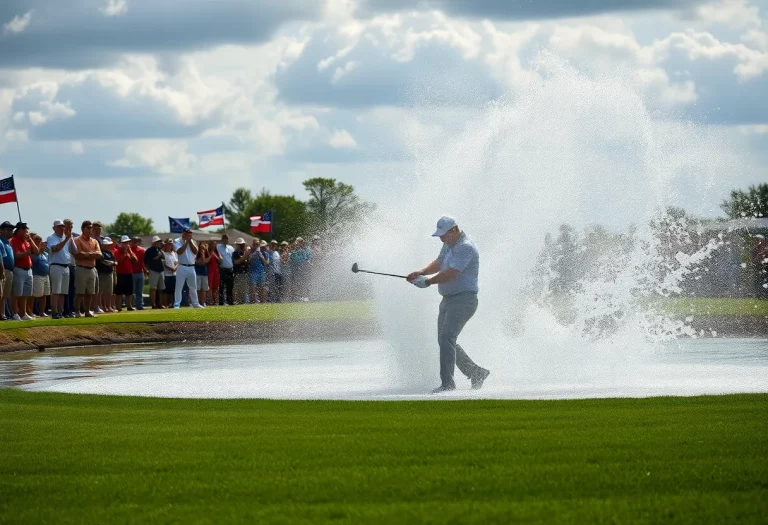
<point>211,217</point>
<point>7,191</point>
<point>261,223</point>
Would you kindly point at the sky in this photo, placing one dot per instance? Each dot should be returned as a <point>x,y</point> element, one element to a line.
<point>166,107</point>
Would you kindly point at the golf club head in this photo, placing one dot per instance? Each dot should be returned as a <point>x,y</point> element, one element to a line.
<point>354,268</point>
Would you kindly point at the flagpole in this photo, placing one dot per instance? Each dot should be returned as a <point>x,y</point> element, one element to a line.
<point>272,226</point>
<point>223,216</point>
<point>17,196</point>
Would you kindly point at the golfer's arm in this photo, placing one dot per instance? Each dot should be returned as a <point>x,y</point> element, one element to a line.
<point>432,267</point>
<point>449,274</point>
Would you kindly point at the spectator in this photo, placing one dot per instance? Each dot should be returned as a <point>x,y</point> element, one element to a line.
<point>214,279</point>
<point>105,268</point>
<point>60,259</point>
<point>86,252</point>
<point>258,262</point>
<point>41,284</point>
<point>226,271</point>
<point>275,273</point>
<point>301,258</point>
<point>240,260</point>
<point>69,301</point>
<point>23,249</point>
<point>170,265</point>
<point>285,262</point>
<point>186,249</point>
<point>202,262</point>
<point>153,263</point>
<point>6,232</point>
<point>125,260</point>
<point>138,273</point>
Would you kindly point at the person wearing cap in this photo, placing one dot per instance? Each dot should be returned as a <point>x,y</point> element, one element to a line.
<point>125,260</point>
<point>23,248</point>
<point>258,262</point>
<point>170,266</point>
<point>60,260</point>
<point>153,264</point>
<point>41,282</point>
<point>6,290</point>
<point>69,300</point>
<point>138,273</point>
<point>86,251</point>
<point>275,273</point>
<point>240,262</point>
<point>455,271</point>
<point>301,258</point>
<point>105,268</point>
<point>186,248</point>
<point>226,271</point>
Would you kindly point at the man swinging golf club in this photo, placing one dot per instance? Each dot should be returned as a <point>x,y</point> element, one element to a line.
<point>455,272</point>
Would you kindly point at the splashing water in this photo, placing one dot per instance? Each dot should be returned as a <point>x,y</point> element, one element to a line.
<point>572,150</point>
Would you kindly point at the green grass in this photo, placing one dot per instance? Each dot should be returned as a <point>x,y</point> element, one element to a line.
<point>99,459</point>
<point>256,312</point>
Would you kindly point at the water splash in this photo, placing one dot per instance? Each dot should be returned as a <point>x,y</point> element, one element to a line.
<point>574,149</point>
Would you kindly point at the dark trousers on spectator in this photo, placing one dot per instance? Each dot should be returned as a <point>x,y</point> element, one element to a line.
<point>226,284</point>
<point>276,288</point>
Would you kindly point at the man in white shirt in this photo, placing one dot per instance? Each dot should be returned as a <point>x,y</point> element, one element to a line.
<point>60,261</point>
<point>186,248</point>
<point>226,271</point>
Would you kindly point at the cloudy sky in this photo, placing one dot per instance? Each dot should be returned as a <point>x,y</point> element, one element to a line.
<point>165,107</point>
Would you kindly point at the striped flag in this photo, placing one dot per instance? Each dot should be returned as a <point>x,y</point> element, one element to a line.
<point>211,217</point>
<point>7,190</point>
<point>261,223</point>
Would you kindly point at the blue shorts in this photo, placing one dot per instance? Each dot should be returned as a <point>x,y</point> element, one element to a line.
<point>257,279</point>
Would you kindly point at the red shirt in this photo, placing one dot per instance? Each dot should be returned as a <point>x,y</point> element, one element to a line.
<point>138,266</point>
<point>21,245</point>
<point>213,267</point>
<point>124,263</point>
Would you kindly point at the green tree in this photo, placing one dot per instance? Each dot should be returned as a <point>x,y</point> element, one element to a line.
<point>236,211</point>
<point>333,206</point>
<point>290,218</point>
<point>130,224</point>
<point>750,203</point>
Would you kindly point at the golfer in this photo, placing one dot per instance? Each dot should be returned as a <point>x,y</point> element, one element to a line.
<point>455,272</point>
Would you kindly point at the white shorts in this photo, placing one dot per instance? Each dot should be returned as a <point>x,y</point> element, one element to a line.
<point>202,283</point>
<point>59,280</point>
<point>41,286</point>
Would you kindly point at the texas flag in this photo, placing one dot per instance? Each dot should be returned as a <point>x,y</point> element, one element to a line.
<point>261,223</point>
<point>7,191</point>
<point>211,217</point>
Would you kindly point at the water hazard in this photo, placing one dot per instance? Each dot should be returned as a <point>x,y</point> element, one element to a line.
<point>367,370</point>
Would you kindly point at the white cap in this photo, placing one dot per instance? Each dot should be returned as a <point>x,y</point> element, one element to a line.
<point>156,239</point>
<point>264,243</point>
<point>107,241</point>
<point>125,238</point>
<point>240,240</point>
<point>57,222</point>
<point>445,223</point>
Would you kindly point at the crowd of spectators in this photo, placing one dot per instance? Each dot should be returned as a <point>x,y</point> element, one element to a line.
<point>71,274</point>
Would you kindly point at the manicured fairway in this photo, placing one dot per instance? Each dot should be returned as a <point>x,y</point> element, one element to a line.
<point>90,459</point>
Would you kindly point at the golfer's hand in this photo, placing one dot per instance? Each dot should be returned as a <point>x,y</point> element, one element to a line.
<point>420,282</point>
<point>412,276</point>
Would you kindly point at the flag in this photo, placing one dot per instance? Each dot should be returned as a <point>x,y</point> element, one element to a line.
<point>211,217</point>
<point>178,225</point>
<point>261,223</point>
<point>7,191</point>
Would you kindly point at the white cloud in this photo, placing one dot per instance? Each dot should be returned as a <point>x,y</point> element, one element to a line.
<point>77,148</point>
<point>732,13</point>
<point>342,139</point>
<point>166,157</point>
<point>19,23</point>
<point>115,8</point>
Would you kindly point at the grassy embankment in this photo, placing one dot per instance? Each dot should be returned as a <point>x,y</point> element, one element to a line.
<point>99,459</point>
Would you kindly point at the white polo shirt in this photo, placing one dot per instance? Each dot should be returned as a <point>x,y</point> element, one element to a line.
<point>226,251</point>
<point>186,258</point>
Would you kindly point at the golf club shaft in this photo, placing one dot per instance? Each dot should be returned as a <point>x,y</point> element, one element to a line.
<point>387,274</point>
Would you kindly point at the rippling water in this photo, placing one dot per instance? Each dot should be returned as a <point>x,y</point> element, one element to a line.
<point>368,370</point>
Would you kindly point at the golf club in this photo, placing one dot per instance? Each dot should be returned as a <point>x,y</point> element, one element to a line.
<point>355,269</point>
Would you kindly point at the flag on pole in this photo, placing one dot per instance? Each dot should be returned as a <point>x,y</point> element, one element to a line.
<point>178,225</point>
<point>261,223</point>
<point>7,191</point>
<point>211,217</point>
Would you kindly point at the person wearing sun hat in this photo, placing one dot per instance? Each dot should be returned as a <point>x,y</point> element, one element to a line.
<point>153,263</point>
<point>455,271</point>
<point>240,266</point>
<point>125,260</point>
<point>6,232</point>
<point>275,273</point>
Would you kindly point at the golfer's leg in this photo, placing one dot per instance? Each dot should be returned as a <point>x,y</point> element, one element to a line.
<point>179,287</point>
<point>456,312</point>
<point>447,351</point>
<point>192,284</point>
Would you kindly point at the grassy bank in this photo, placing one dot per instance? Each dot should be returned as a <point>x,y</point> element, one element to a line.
<point>98,459</point>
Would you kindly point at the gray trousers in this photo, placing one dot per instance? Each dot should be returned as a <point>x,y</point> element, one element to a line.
<point>455,311</point>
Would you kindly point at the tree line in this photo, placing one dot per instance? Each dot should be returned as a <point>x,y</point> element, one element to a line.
<point>331,209</point>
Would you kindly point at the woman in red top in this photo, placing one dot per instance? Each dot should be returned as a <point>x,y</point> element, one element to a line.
<point>125,259</point>
<point>214,279</point>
